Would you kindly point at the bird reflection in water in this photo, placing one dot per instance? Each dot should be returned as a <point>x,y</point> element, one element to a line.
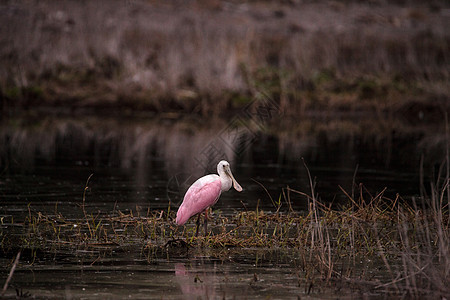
<point>195,284</point>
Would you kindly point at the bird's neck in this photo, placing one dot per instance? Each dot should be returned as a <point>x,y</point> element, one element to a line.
<point>226,182</point>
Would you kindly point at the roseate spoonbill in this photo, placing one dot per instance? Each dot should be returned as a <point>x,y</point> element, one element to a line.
<point>205,192</point>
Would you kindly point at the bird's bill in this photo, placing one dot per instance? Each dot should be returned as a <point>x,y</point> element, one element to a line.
<point>236,185</point>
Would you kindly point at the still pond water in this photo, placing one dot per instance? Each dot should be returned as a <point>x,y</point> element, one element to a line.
<point>147,164</point>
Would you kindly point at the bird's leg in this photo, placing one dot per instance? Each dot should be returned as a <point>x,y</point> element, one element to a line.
<point>198,224</point>
<point>206,222</point>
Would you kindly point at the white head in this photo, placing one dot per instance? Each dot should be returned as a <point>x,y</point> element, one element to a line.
<point>224,171</point>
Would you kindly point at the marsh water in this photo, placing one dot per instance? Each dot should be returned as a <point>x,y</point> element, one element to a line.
<point>146,164</point>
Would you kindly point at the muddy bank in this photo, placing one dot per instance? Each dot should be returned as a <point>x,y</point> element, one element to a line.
<point>209,56</point>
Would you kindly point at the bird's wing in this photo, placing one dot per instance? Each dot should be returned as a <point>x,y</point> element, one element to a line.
<point>201,194</point>
<point>199,197</point>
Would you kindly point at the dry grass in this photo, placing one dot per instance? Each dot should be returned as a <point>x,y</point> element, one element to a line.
<point>204,59</point>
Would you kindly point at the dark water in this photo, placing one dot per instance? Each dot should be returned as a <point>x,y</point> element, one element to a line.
<point>150,163</point>
<point>147,164</point>
<point>205,274</point>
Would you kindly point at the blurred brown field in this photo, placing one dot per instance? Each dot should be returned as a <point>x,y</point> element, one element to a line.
<point>206,57</point>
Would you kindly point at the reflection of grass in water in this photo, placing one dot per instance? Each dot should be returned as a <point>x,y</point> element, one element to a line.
<point>124,142</point>
<point>411,240</point>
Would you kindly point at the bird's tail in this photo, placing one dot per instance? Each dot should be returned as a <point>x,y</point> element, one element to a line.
<point>182,216</point>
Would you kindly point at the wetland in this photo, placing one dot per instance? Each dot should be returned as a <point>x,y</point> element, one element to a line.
<point>328,209</point>
<point>332,114</point>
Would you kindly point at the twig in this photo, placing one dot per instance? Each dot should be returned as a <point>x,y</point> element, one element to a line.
<point>447,134</point>
<point>349,197</point>
<point>84,200</point>
<point>323,206</point>
<point>267,192</point>
<point>354,181</point>
<point>394,282</point>
<point>11,272</point>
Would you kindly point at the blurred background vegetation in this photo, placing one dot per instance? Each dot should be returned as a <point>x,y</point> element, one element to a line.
<point>209,57</point>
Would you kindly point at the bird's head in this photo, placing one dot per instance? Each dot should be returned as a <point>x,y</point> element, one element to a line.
<point>224,168</point>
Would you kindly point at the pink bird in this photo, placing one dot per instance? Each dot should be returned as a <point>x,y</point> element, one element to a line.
<point>205,192</point>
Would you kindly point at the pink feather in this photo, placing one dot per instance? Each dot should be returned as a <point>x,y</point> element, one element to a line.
<point>198,198</point>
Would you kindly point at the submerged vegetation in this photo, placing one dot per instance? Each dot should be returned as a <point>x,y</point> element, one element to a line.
<point>409,239</point>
